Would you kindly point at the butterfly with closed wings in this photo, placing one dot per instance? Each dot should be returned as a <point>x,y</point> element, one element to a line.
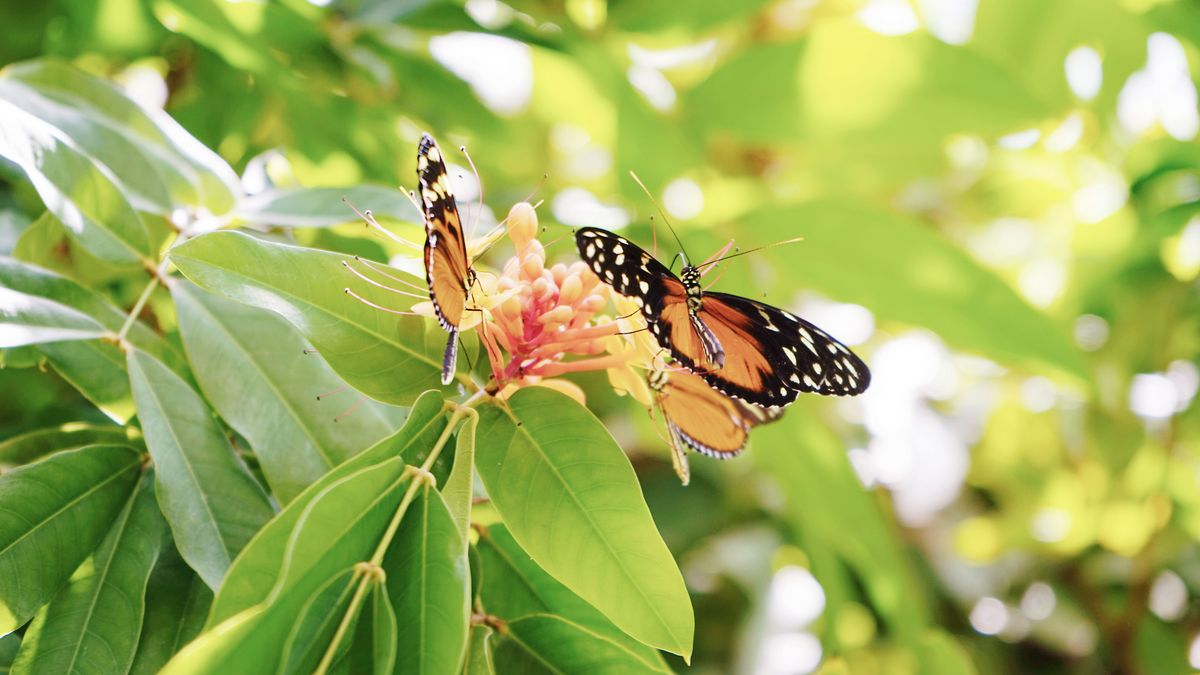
<point>448,268</point>
<point>701,418</point>
<point>743,348</point>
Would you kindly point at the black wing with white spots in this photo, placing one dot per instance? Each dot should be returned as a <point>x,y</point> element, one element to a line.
<point>630,270</point>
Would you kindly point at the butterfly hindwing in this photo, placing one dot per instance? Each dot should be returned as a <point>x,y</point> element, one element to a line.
<point>705,420</point>
<point>447,267</point>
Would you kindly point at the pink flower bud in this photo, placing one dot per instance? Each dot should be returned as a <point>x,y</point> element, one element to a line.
<point>522,224</point>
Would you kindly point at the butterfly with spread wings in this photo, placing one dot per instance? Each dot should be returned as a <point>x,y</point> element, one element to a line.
<point>703,419</point>
<point>448,268</point>
<point>743,348</point>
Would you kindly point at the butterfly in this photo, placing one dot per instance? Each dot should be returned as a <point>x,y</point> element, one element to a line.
<point>448,269</point>
<point>743,348</point>
<point>703,419</point>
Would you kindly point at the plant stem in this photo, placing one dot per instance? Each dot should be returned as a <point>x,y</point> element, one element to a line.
<point>417,478</point>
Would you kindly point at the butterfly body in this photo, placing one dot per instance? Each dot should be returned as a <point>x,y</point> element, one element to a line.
<point>741,347</point>
<point>448,269</point>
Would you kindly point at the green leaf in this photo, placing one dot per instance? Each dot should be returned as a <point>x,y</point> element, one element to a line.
<point>96,369</point>
<point>210,499</point>
<point>256,570</point>
<point>368,347</point>
<point>514,586</point>
<point>459,488</point>
<point>323,207</point>
<point>571,500</point>
<point>479,652</point>
<point>824,499</point>
<point>9,644</point>
<point>317,622</point>
<point>54,514</point>
<point>29,320</point>
<point>376,637</point>
<point>34,445</point>
<point>74,188</point>
<point>563,646</point>
<point>131,140</point>
<point>252,367</point>
<point>177,600</point>
<point>93,624</point>
<point>429,585</point>
<point>340,527</point>
<point>933,284</point>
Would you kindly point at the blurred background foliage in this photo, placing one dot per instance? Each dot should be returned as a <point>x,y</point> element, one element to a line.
<point>999,204</point>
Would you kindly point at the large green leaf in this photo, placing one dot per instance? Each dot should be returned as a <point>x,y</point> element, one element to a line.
<point>151,135</point>
<point>54,514</point>
<point>429,585</point>
<point>177,600</point>
<point>459,489</point>
<point>29,320</point>
<point>34,445</point>
<point>390,358</point>
<point>513,586</point>
<point>93,625</point>
<point>571,500</point>
<point>322,207</point>
<point>251,365</point>
<point>256,570</point>
<point>932,283</point>
<point>95,368</point>
<point>824,499</point>
<point>9,645</point>
<point>209,497</point>
<point>316,624</point>
<point>340,527</point>
<point>75,189</point>
<point>562,646</point>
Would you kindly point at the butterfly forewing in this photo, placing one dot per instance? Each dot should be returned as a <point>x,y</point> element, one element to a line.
<point>446,263</point>
<point>805,357</point>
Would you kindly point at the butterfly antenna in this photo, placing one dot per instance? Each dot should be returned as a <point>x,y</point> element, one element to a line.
<point>478,182</point>
<point>664,215</point>
<point>752,250</point>
<point>369,219</point>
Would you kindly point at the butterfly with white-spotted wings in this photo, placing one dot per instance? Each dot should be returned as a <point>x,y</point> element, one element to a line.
<point>742,348</point>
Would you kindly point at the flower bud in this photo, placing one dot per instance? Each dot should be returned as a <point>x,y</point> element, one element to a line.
<point>569,289</point>
<point>522,224</point>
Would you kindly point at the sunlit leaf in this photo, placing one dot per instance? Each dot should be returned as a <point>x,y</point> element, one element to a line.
<point>390,358</point>
<point>513,586</point>
<point>30,320</point>
<point>117,130</point>
<point>211,501</point>
<point>256,570</point>
<point>322,207</point>
<point>252,367</point>
<point>427,580</point>
<point>74,188</point>
<point>542,447</point>
<point>55,513</point>
<point>340,527</point>
<point>93,624</point>
<point>317,622</point>
<point>458,490</point>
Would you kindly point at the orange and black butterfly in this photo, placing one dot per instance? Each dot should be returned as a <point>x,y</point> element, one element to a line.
<point>743,348</point>
<point>447,267</point>
<point>703,419</point>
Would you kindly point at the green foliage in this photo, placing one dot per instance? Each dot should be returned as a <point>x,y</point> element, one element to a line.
<point>222,449</point>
